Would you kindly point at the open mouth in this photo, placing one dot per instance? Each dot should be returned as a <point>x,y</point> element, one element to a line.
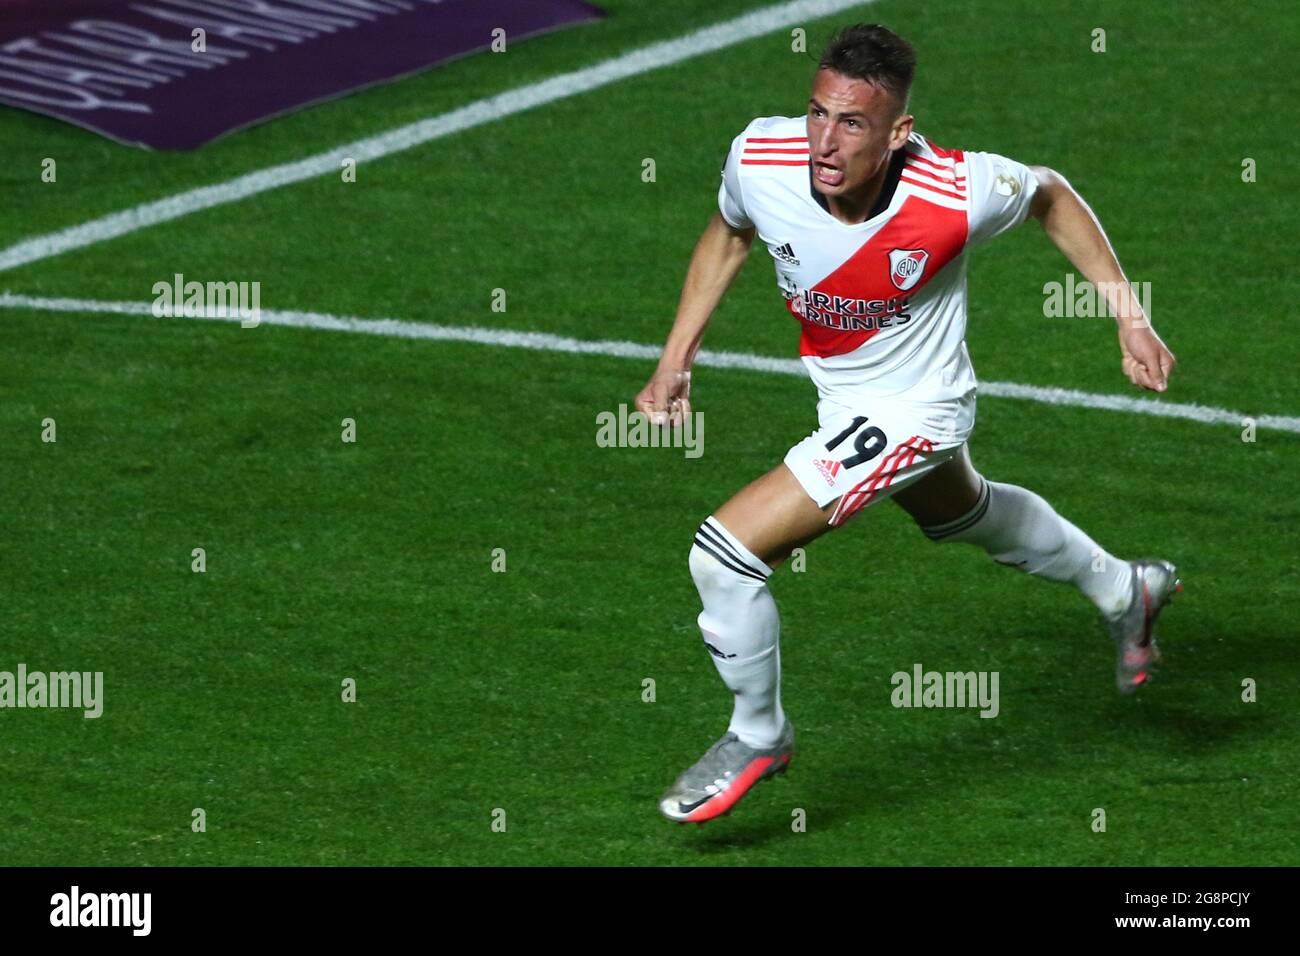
<point>827,174</point>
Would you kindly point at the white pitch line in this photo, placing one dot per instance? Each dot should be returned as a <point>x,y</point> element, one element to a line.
<point>544,342</point>
<point>717,37</point>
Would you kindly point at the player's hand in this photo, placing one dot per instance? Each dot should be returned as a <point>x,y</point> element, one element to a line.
<point>666,398</point>
<point>1147,361</point>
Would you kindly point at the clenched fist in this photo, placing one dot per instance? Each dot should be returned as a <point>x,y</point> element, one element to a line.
<point>1147,361</point>
<point>666,398</point>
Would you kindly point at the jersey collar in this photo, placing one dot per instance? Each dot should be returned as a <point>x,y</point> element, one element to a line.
<point>896,163</point>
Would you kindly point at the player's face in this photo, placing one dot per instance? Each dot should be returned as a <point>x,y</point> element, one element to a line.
<point>852,128</point>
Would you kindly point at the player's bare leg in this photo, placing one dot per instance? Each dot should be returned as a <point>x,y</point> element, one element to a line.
<point>735,551</point>
<point>773,515</point>
<point>1018,528</point>
<point>945,494</point>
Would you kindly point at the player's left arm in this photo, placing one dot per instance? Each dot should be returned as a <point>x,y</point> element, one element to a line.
<point>1075,230</point>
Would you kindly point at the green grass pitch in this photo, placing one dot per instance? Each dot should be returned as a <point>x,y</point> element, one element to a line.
<point>522,690</point>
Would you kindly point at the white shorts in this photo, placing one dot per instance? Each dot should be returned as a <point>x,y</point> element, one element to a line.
<point>872,448</point>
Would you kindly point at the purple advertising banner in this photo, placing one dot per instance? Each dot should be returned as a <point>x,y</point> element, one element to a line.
<point>131,70</point>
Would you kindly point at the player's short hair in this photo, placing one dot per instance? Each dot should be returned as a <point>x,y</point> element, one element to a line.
<point>876,54</point>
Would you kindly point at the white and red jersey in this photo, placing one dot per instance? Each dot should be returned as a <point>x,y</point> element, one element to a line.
<point>882,303</point>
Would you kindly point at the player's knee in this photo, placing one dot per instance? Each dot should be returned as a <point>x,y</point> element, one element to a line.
<point>706,570</point>
<point>972,527</point>
<point>719,563</point>
<point>709,572</point>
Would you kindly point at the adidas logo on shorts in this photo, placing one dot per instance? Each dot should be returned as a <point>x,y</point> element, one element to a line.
<point>829,469</point>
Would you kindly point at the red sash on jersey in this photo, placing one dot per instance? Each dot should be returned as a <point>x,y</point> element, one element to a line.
<point>871,274</point>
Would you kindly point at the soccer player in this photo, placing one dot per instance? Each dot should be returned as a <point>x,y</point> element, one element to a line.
<point>868,223</point>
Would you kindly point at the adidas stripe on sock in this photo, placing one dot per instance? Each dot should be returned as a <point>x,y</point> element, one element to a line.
<point>719,542</point>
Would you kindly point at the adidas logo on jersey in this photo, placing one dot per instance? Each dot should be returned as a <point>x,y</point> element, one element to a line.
<point>785,254</point>
<point>829,469</point>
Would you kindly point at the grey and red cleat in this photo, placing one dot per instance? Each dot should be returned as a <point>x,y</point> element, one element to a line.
<point>1154,584</point>
<point>716,782</point>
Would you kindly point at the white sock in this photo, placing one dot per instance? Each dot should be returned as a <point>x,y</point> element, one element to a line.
<point>741,629</point>
<point>1020,529</point>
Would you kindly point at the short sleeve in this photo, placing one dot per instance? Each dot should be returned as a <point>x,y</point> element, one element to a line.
<point>731,201</point>
<point>1001,191</point>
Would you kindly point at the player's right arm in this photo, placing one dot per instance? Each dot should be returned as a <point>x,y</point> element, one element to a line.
<point>718,256</point>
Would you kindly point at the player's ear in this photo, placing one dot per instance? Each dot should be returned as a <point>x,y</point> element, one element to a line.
<point>901,130</point>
